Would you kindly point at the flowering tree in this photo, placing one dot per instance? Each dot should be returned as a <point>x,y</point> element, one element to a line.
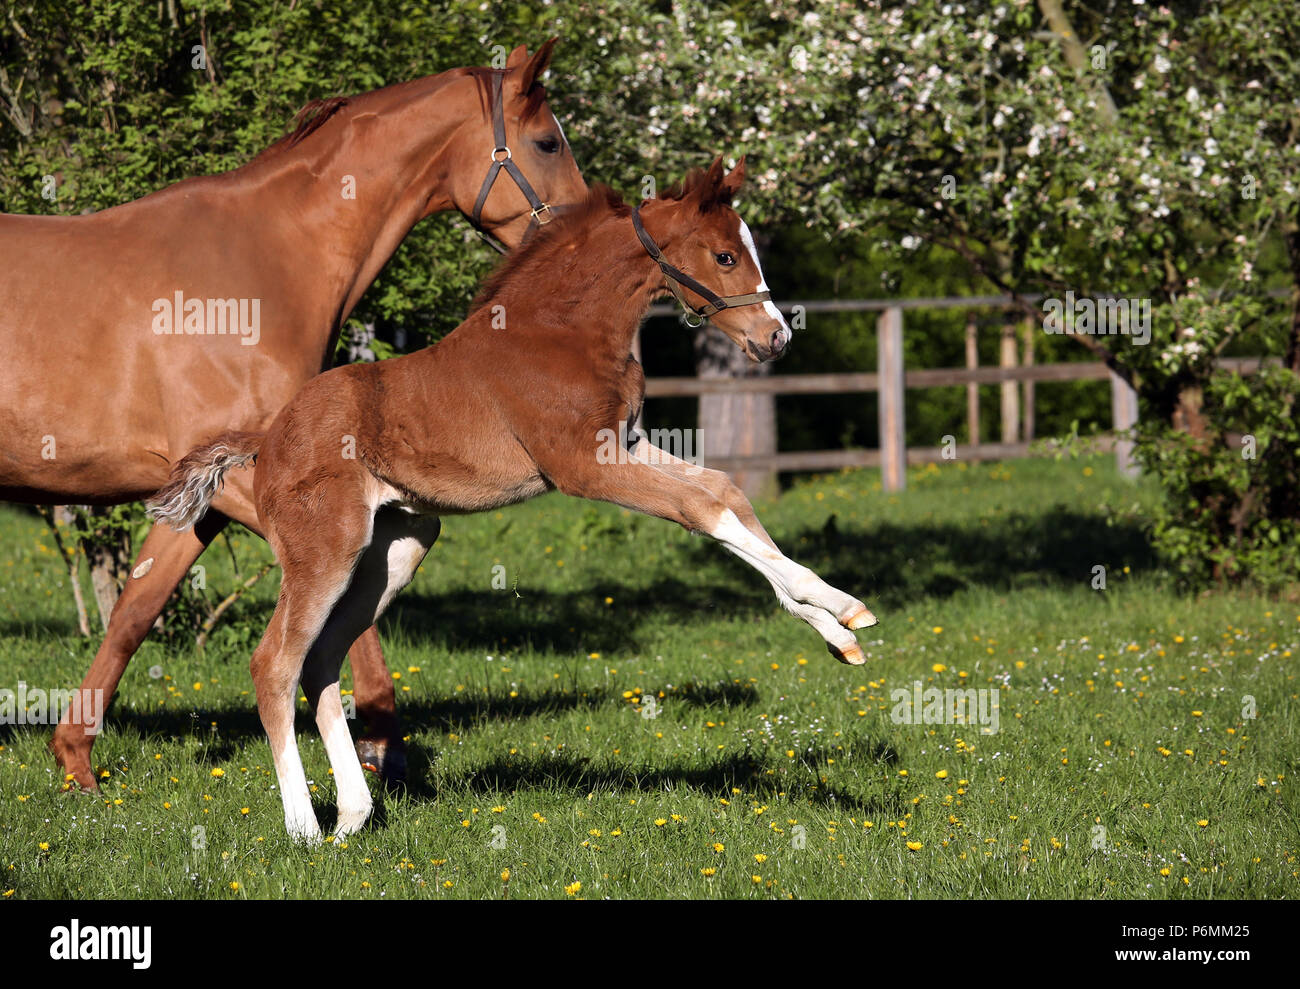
<point>1142,151</point>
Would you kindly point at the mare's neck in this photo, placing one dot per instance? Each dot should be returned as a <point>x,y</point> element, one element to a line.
<point>347,195</point>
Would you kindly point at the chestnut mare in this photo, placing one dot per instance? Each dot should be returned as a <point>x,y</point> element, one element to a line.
<point>490,416</point>
<point>133,334</point>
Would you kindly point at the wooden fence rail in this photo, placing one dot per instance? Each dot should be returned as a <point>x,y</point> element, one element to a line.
<point>891,380</point>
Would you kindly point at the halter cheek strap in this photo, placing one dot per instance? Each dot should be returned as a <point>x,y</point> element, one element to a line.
<point>501,158</point>
<point>677,278</point>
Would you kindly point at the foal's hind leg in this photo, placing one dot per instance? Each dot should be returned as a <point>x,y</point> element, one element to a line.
<point>398,542</point>
<point>317,572</point>
<point>382,746</point>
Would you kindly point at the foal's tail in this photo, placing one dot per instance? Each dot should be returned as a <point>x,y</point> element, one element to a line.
<point>199,475</point>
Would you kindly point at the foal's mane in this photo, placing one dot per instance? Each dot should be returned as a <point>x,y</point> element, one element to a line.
<point>568,227</point>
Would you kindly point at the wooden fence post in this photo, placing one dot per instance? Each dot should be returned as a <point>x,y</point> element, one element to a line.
<point>1010,393</point>
<point>889,366</point>
<point>1028,328</point>
<point>1124,413</point>
<point>972,389</point>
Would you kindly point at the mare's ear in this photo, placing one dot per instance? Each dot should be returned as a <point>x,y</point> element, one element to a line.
<point>525,71</point>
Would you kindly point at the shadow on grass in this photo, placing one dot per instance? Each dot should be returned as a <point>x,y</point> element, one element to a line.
<point>238,724</point>
<point>889,566</point>
<point>894,565</point>
<point>748,774</point>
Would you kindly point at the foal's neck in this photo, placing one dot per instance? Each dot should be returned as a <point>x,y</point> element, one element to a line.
<point>594,288</point>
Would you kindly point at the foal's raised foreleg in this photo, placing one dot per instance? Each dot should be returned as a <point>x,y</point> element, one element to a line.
<point>647,489</point>
<point>720,486</point>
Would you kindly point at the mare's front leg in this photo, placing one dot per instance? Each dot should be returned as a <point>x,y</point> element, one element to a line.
<point>669,495</point>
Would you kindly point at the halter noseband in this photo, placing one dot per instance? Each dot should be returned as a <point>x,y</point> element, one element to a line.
<point>677,278</point>
<point>541,212</point>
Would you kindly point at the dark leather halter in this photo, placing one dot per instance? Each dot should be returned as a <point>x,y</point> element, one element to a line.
<point>677,278</point>
<point>501,158</point>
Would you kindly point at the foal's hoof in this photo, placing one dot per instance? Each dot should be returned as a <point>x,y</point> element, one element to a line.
<point>849,655</point>
<point>858,617</point>
<point>378,756</point>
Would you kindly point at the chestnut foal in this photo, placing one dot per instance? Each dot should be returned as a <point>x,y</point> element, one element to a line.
<point>354,473</point>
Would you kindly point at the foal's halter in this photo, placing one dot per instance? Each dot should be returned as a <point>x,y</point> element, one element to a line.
<point>541,212</point>
<point>677,278</point>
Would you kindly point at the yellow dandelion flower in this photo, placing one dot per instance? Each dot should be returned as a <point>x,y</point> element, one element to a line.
<point>573,889</point>
<point>710,871</point>
<point>505,875</point>
<point>218,773</point>
<point>915,846</point>
<point>660,822</point>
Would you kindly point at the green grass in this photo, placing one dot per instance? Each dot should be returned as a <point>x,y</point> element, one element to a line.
<point>524,712</point>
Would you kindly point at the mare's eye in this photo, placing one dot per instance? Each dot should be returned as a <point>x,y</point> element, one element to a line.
<point>725,259</point>
<point>548,145</point>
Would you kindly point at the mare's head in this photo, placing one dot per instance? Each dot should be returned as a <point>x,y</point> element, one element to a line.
<point>534,143</point>
<point>699,233</point>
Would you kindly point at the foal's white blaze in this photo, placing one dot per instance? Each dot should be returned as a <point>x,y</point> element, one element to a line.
<point>748,240</point>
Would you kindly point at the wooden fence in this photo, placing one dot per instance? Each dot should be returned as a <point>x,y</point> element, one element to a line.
<point>891,381</point>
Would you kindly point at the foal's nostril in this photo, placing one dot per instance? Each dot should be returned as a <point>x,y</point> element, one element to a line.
<point>778,342</point>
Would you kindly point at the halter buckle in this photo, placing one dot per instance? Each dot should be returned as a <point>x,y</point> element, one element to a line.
<point>542,214</point>
<point>497,151</point>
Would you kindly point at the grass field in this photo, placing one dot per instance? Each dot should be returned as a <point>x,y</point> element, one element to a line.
<point>1145,746</point>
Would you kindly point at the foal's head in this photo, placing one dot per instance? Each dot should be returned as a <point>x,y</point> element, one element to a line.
<point>535,142</point>
<point>699,233</point>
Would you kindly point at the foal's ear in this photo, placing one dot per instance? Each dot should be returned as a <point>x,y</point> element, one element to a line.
<point>530,69</point>
<point>720,186</point>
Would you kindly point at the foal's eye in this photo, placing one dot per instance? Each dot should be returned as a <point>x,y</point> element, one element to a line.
<point>725,259</point>
<point>548,145</point>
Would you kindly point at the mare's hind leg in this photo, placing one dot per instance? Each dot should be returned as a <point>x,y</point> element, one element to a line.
<point>398,543</point>
<point>165,558</point>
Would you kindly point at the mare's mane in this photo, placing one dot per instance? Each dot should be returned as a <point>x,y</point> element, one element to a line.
<point>317,113</point>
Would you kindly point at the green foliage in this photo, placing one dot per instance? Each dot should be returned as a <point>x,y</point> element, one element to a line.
<point>1230,511</point>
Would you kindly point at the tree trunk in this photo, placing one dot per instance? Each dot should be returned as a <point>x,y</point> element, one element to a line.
<point>735,425</point>
<point>109,556</point>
